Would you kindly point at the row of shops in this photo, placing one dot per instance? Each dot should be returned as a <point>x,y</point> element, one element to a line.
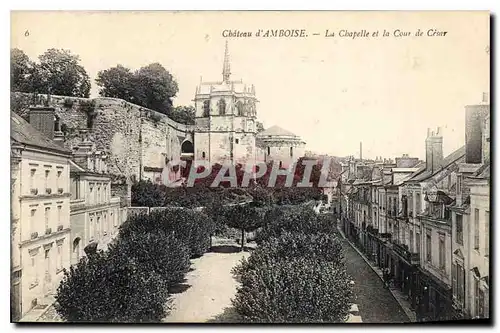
<point>428,296</point>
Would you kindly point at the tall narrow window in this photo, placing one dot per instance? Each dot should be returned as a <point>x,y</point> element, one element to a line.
<point>47,261</point>
<point>58,179</point>
<point>476,295</point>
<point>411,241</point>
<point>34,269</point>
<point>203,155</point>
<point>33,221</point>
<point>291,151</point>
<point>98,227</point>
<point>268,150</point>
<point>91,228</point>
<point>476,229</point>
<point>59,257</point>
<point>59,210</point>
<point>222,107</point>
<point>33,179</point>
<point>459,233</point>
<point>487,234</point>
<point>428,245</point>
<point>47,218</point>
<point>417,242</point>
<point>47,184</point>
<point>442,253</point>
<point>417,203</point>
<point>206,108</point>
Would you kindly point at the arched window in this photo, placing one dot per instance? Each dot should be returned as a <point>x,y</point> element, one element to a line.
<point>203,155</point>
<point>239,108</point>
<point>206,108</point>
<point>291,151</point>
<point>187,147</point>
<point>76,248</point>
<point>222,107</point>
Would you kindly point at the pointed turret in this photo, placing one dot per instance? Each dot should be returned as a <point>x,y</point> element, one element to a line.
<point>226,68</point>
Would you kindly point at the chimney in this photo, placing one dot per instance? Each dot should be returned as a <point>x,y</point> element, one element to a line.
<point>43,119</point>
<point>474,120</point>
<point>82,152</point>
<point>434,151</point>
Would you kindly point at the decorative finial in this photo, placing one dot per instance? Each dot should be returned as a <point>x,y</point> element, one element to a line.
<point>226,69</point>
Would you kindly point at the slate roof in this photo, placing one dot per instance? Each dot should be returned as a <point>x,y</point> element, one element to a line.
<point>276,131</point>
<point>425,174</point>
<point>22,132</point>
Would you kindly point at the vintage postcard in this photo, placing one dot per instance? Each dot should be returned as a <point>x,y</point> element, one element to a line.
<point>250,167</point>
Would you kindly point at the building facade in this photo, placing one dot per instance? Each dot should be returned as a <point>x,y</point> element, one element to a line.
<point>95,214</point>
<point>40,210</point>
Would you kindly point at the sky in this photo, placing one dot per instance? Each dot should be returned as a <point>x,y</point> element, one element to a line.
<point>334,92</point>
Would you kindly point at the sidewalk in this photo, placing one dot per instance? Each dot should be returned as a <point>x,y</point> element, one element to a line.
<point>39,311</point>
<point>398,295</point>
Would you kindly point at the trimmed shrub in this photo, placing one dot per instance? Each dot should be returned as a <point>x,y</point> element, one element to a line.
<point>191,227</point>
<point>157,252</point>
<point>299,219</point>
<point>298,290</point>
<point>243,217</point>
<point>110,287</point>
<point>321,246</point>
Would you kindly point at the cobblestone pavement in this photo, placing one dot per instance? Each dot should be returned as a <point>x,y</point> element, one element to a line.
<point>375,303</point>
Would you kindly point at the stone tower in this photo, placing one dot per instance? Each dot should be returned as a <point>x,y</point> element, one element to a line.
<point>225,119</point>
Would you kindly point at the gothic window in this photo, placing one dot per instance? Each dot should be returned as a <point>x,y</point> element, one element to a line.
<point>239,108</point>
<point>222,107</point>
<point>206,108</point>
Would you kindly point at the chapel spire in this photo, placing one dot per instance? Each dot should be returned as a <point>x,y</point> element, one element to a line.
<point>226,68</point>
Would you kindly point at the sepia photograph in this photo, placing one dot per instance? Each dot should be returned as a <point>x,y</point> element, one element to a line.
<point>249,167</point>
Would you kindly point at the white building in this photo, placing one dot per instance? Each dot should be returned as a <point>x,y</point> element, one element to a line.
<point>95,214</point>
<point>40,210</point>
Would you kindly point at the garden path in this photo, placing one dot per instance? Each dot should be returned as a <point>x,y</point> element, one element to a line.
<point>208,288</point>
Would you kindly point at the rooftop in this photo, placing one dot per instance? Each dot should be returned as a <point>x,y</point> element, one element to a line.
<point>23,132</point>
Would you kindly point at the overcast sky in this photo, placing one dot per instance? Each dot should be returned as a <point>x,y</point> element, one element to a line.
<point>334,92</point>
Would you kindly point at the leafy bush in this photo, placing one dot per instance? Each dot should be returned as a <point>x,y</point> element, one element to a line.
<point>147,194</point>
<point>294,219</point>
<point>157,252</point>
<point>191,227</point>
<point>297,290</point>
<point>110,287</point>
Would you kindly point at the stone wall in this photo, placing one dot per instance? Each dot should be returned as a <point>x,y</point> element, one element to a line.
<point>133,137</point>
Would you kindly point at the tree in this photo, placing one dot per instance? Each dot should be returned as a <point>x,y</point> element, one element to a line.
<point>147,194</point>
<point>243,217</point>
<point>116,82</point>
<point>21,71</point>
<point>183,114</point>
<point>155,87</point>
<point>60,73</point>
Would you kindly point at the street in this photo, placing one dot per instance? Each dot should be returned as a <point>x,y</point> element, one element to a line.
<point>375,303</point>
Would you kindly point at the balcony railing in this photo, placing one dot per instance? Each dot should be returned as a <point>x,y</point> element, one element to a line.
<point>402,250</point>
